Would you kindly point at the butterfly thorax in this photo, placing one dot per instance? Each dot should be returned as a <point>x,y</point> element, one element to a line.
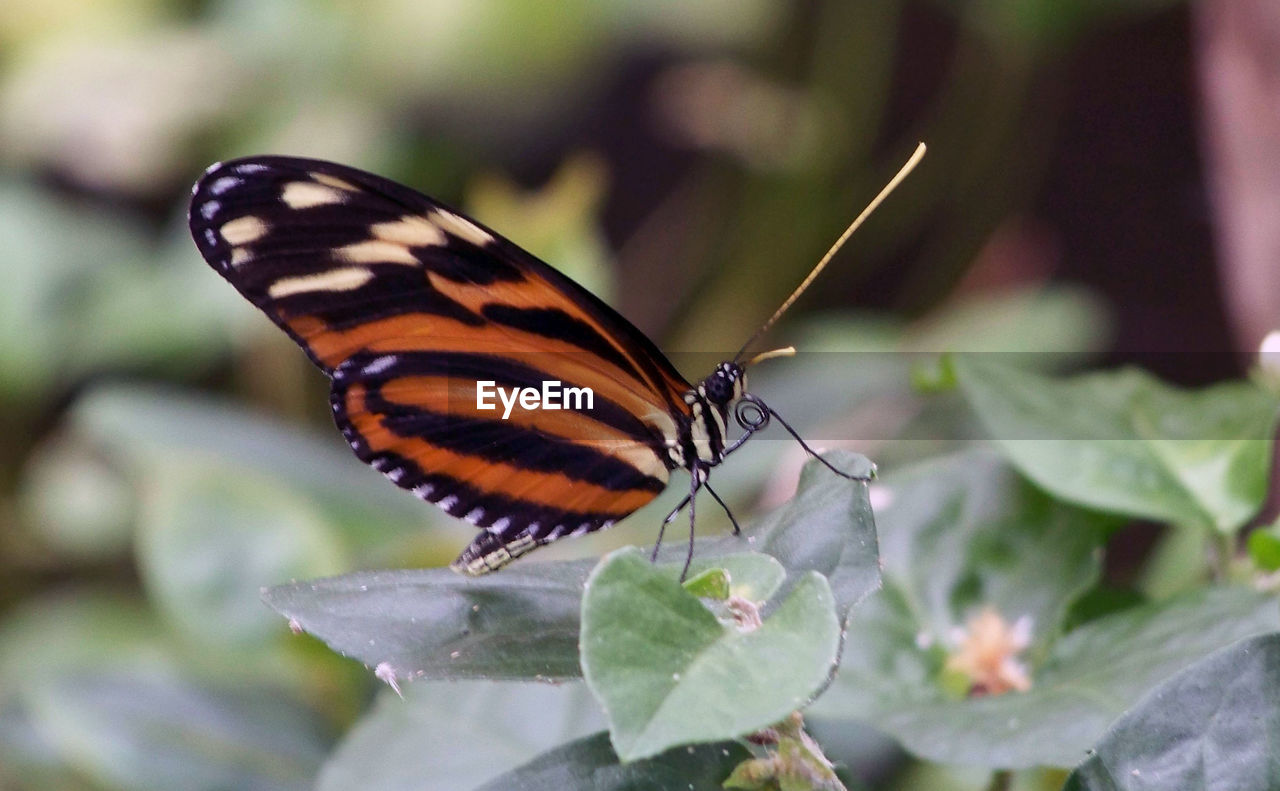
<point>702,438</point>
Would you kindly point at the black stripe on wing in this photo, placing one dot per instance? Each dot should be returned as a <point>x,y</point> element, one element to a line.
<point>375,370</point>
<point>510,527</point>
<point>308,237</point>
<point>391,294</point>
<point>494,439</point>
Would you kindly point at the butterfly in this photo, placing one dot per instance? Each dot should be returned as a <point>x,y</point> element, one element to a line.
<point>415,312</point>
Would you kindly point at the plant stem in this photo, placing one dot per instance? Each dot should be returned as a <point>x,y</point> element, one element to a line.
<point>1221,552</point>
<point>1001,780</point>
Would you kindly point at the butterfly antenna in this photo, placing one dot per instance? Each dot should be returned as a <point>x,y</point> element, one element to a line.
<point>788,351</point>
<point>844,237</point>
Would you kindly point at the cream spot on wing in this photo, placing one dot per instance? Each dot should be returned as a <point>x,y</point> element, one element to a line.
<point>410,230</point>
<point>345,279</point>
<point>664,424</point>
<point>639,456</point>
<point>308,194</point>
<point>379,365</point>
<point>647,462</point>
<point>240,255</point>
<point>333,181</point>
<point>376,251</point>
<point>223,184</point>
<point>243,230</point>
<point>461,227</point>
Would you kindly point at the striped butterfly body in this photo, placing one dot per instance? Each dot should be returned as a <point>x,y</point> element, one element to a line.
<point>410,308</point>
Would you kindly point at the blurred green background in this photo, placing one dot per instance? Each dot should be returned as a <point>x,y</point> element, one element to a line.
<point>1095,192</point>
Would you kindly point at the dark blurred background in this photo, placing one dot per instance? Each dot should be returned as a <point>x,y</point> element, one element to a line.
<point>1101,187</point>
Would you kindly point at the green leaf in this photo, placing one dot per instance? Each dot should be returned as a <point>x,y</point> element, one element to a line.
<point>456,734</point>
<point>153,428</point>
<point>1264,547</point>
<point>1040,325</point>
<point>29,760</point>
<point>1124,442</point>
<point>828,527</point>
<point>54,256</point>
<point>936,375</point>
<point>751,575</point>
<point>523,622</point>
<point>1213,725</point>
<point>964,532</point>
<point>69,660</point>
<point>129,729</point>
<point>53,635</point>
<point>161,309</point>
<point>1177,562</point>
<point>76,630</point>
<point>71,270</point>
<point>77,502</point>
<point>433,623</point>
<point>1089,678</point>
<point>709,584</point>
<point>590,764</point>
<point>210,539</point>
<point>669,673</point>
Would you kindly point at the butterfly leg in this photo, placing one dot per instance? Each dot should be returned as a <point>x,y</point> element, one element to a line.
<point>688,498</point>
<point>815,455</point>
<point>737,531</point>
<point>671,517</point>
<point>757,416</point>
<point>699,479</point>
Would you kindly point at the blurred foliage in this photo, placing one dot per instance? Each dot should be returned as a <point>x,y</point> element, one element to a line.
<point>167,453</point>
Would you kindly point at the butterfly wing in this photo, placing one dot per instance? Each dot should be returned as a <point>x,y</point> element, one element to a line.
<point>408,306</point>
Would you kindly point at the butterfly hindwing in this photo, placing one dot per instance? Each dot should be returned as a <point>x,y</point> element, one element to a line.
<point>407,306</point>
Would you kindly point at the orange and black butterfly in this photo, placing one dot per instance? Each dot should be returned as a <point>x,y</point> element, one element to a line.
<point>409,307</point>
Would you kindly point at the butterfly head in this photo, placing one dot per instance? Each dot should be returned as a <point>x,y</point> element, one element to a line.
<point>725,385</point>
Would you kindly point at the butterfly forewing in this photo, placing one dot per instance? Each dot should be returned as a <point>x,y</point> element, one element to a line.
<point>407,305</point>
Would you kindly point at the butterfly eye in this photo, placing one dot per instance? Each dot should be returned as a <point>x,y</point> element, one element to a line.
<point>719,388</point>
